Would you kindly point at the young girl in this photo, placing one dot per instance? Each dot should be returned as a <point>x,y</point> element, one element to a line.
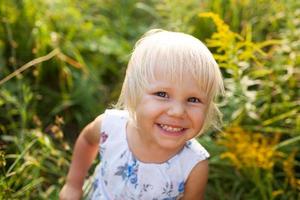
<point>147,146</point>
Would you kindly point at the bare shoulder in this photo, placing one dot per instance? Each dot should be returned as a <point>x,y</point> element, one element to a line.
<point>91,132</point>
<point>196,182</point>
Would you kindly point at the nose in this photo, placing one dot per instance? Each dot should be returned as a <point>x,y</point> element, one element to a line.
<point>176,109</point>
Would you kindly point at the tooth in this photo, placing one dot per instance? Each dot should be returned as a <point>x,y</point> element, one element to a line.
<point>170,128</point>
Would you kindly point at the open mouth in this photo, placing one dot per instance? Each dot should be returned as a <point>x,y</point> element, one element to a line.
<point>171,129</point>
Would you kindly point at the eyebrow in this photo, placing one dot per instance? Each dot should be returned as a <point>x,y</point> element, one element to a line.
<point>194,93</point>
<point>159,86</point>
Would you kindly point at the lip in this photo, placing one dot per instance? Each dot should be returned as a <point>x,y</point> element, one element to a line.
<point>171,132</point>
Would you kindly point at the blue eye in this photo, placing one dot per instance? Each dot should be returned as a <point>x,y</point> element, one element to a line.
<point>194,100</point>
<point>161,94</point>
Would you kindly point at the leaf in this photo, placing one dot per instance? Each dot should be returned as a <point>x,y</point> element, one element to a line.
<point>260,73</point>
<point>280,117</point>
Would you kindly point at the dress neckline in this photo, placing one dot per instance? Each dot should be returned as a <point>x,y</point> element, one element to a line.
<point>125,139</point>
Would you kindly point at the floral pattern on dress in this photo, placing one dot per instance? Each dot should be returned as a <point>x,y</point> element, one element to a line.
<point>103,171</point>
<point>170,198</point>
<point>129,172</point>
<point>181,187</point>
<point>121,176</point>
<point>188,144</point>
<point>104,137</point>
<point>168,189</point>
<point>147,187</point>
<point>95,184</point>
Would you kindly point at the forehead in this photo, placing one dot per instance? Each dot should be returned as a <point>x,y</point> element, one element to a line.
<point>175,74</point>
<point>186,84</point>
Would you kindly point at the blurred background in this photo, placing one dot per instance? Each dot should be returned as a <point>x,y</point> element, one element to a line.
<point>62,62</point>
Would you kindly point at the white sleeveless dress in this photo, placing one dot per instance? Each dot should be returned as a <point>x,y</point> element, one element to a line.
<point>120,176</point>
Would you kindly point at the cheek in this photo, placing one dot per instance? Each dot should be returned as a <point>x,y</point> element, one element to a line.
<point>199,117</point>
<point>145,109</point>
<point>149,105</point>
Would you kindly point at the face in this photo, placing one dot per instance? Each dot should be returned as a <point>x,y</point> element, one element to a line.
<point>169,113</point>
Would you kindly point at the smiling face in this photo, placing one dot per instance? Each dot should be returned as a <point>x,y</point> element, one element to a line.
<point>170,113</point>
<point>178,54</point>
<point>169,89</point>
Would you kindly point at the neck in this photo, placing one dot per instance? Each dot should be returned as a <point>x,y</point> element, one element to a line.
<point>144,150</point>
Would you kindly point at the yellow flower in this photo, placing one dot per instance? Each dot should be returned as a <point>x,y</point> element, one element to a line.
<point>2,159</point>
<point>231,157</point>
<point>249,150</point>
<point>288,167</point>
<point>232,49</point>
<point>277,192</point>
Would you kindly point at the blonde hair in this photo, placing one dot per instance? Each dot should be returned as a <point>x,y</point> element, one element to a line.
<point>177,54</point>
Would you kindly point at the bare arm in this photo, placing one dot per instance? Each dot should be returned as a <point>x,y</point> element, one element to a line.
<point>196,182</point>
<point>85,151</point>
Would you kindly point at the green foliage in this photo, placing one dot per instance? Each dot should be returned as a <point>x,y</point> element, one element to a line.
<point>43,107</point>
<point>262,95</point>
<point>33,170</point>
<point>32,160</point>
